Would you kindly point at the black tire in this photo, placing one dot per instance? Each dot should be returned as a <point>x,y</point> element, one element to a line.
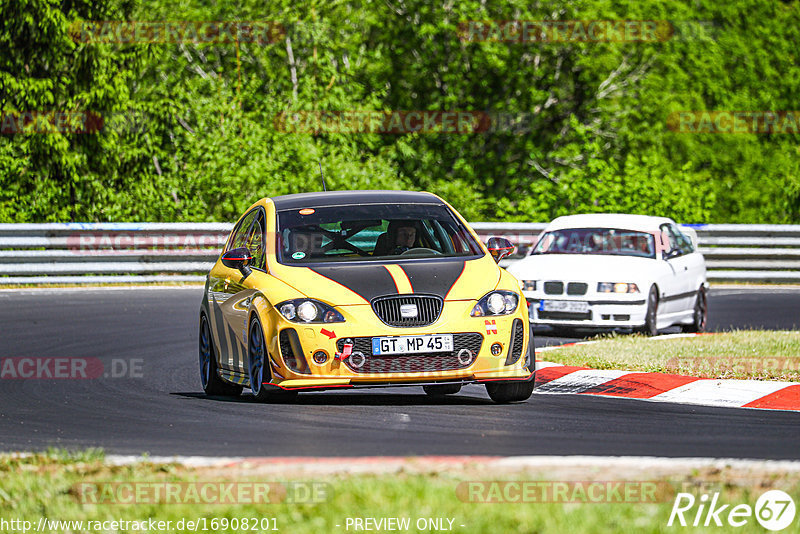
<point>209,377</point>
<point>505,392</point>
<point>258,368</point>
<point>700,317</point>
<point>440,390</point>
<point>650,320</point>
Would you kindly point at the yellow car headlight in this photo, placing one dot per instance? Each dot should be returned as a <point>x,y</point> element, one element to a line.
<point>496,303</point>
<point>309,311</point>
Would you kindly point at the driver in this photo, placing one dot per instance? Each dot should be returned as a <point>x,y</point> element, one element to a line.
<point>404,237</point>
<point>399,237</point>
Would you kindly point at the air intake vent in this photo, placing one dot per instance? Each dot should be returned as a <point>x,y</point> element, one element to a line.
<point>408,310</point>
<point>517,341</point>
<point>292,352</point>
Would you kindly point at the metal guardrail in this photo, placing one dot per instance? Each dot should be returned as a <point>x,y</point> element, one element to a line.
<point>71,253</point>
<point>55,253</point>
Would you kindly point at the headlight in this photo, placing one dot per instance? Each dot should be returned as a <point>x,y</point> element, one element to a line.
<point>618,287</point>
<point>528,285</point>
<point>288,310</point>
<point>309,311</point>
<point>496,303</point>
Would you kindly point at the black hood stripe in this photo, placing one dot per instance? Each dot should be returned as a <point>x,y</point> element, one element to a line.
<point>367,281</point>
<point>463,267</point>
<point>434,277</point>
<point>431,277</point>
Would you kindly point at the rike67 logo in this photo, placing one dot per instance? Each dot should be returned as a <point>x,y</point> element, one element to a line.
<point>774,510</point>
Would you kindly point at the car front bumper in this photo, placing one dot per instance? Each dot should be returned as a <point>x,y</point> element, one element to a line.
<point>602,312</point>
<point>292,348</point>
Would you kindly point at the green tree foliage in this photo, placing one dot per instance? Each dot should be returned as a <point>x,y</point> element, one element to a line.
<point>196,136</point>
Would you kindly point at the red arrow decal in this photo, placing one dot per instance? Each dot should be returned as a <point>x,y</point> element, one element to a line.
<point>328,333</point>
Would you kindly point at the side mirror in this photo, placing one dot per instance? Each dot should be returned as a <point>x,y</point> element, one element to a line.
<point>499,248</point>
<point>238,258</point>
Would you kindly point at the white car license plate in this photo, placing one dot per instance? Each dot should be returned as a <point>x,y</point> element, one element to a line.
<point>412,344</point>
<point>574,306</point>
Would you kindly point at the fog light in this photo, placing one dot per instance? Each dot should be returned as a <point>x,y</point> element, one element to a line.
<point>320,357</point>
<point>497,348</point>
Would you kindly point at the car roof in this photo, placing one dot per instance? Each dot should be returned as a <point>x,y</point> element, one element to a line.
<point>609,220</point>
<point>349,198</point>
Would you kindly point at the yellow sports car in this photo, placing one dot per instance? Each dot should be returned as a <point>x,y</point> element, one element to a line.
<point>362,289</point>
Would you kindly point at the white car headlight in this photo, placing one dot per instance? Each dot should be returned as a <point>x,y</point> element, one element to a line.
<point>528,285</point>
<point>617,287</point>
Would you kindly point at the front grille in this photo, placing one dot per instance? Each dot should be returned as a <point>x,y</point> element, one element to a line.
<point>577,288</point>
<point>517,341</point>
<point>554,288</point>
<point>414,363</point>
<point>570,316</point>
<point>388,309</point>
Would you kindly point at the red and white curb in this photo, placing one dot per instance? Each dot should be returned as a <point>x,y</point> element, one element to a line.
<point>659,387</point>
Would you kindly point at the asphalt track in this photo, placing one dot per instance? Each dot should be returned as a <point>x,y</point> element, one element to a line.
<point>164,412</point>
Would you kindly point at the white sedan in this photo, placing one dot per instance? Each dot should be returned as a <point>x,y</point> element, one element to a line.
<point>609,271</point>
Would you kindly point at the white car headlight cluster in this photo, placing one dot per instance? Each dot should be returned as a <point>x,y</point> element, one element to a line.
<point>309,311</point>
<point>499,302</point>
<point>617,287</point>
<point>527,285</point>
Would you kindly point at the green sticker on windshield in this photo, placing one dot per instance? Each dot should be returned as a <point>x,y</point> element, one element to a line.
<point>299,255</point>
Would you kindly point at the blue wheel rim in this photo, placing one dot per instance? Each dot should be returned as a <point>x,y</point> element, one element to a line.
<point>205,353</point>
<point>256,351</point>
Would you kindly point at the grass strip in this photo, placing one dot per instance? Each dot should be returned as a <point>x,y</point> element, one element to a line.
<point>741,354</point>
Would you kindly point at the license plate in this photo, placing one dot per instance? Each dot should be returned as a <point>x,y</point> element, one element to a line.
<point>574,306</point>
<point>412,344</point>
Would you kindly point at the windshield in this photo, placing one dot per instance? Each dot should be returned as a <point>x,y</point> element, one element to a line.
<point>609,241</point>
<point>371,232</point>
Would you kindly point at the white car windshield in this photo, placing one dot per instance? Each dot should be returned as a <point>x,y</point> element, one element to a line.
<point>608,241</point>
